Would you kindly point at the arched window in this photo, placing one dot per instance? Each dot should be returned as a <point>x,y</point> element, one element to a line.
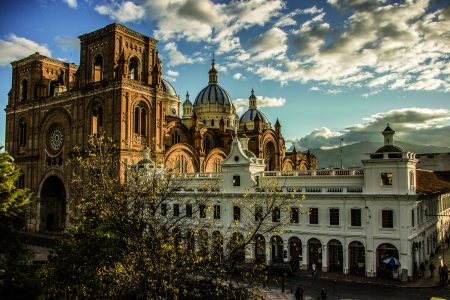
<point>181,164</point>
<point>212,123</point>
<point>53,85</point>
<point>143,122</point>
<point>97,119</point>
<point>137,111</point>
<point>24,90</point>
<point>207,143</point>
<point>133,69</point>
<point>217,165</point>
<point>175,137</point>
<point>98,68</point>
<point>140,121</point>
<point>22,133</point>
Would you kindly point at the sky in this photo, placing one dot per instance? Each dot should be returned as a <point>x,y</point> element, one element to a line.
<point>326,69</point>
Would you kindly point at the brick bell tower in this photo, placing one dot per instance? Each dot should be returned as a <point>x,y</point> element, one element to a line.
<point>54,106</point>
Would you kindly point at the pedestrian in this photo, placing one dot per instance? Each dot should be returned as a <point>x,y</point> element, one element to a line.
<point>445,274</point>
<point>323,294</point>
<point>299,293</point>
<point>314,270</point>
<point>422,269</point>
<point>441,274</point>
<point>415,271</point>
<point>431,267</point>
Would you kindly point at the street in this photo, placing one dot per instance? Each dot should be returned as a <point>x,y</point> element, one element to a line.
<point>356,290</point>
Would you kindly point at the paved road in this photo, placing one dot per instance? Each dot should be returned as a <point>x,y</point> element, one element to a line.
<point>354,290</point>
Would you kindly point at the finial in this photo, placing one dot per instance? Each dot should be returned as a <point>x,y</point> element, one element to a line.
<point>213,59</point>
<point>187,95</point>
<point>253,92</point>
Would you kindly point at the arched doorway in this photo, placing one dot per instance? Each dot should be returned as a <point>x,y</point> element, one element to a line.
<point>217,247</point>
<point>357,258</point>
<point>53,205</point>
<point>203,242</point>
<point>385,251</point>
<point>237,248</point>
<point>315,253</point>
<point>190,240</point>
<point>276,246</point>
<point>269,156</point>
<point>260,249</point>
<point>335,256</point>
<point>295,250</point>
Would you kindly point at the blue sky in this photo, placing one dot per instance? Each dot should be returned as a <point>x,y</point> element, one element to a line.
<point>326,69</point>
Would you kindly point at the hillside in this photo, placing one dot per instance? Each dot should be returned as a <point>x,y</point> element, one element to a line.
<point>353,154</point>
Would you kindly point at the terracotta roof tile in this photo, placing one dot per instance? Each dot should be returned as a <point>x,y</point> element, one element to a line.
<point>429,182</point>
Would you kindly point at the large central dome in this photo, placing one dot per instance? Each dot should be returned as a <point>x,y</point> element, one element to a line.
<point>213,93</point>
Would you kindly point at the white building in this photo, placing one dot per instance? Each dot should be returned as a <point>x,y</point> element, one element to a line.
<point>354,218</point>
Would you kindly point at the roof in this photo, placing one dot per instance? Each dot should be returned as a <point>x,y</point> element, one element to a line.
<point>250,115</point>
<point>213,93</point>
<point>168,88</point>
<point>429,182</point>
<point>389,148</point>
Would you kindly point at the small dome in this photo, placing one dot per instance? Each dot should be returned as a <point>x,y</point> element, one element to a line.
<point>168,88</point>
<point>187,102</point>
<point>213,94</point>
<point>250,115</point>
<point>389,148</point>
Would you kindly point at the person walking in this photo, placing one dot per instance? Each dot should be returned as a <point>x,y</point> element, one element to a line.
<point>445,274</point>
<point>431,267</point>
<point>314,270</point>
<point>299,293</point>
<point>323,294</point>
<point>422,269</point>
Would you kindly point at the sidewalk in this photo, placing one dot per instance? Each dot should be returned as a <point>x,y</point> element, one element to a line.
<point>425,281</point>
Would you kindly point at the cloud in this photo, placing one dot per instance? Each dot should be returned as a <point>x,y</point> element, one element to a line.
<point>71,3</point>
<point>424,126</point>
<point>177,58</point>
<point>270,44</point>
<point>387,47</point>
<point>262,101</point>
<point>67,42</point>
<point>125,12</point>
<point>206,21</point>
<point>171,75</point>
<point>14,48</point>
<point>237,76</point>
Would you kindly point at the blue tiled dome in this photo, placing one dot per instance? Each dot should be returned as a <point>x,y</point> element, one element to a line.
<point>249,116</point>
<point>213,93</point>
<point>168,88</point>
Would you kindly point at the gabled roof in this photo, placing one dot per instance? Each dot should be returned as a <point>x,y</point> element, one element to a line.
<point>429,182</point>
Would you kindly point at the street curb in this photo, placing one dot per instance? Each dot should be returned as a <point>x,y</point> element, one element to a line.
<point>375,283</point>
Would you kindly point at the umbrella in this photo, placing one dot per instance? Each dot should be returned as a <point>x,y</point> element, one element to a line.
<point>391,261</point>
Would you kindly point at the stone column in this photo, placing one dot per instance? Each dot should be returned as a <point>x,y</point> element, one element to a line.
<point>324,258</point>
<point>371,269</point>
<point>268,254</point>
<point>250,253</point>
<point>286,248</point>
<point>305,256</point>
<point>346,268</point>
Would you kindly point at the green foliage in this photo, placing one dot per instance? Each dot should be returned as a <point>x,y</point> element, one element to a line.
<point>13,202</point>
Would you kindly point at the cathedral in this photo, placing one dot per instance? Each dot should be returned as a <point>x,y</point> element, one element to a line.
<point>118,90</point>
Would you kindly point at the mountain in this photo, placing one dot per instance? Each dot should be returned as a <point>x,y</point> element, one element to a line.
<point>354,153</point>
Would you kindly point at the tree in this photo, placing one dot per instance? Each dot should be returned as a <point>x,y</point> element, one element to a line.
<point>13,202</point>
<point>130,239</point>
